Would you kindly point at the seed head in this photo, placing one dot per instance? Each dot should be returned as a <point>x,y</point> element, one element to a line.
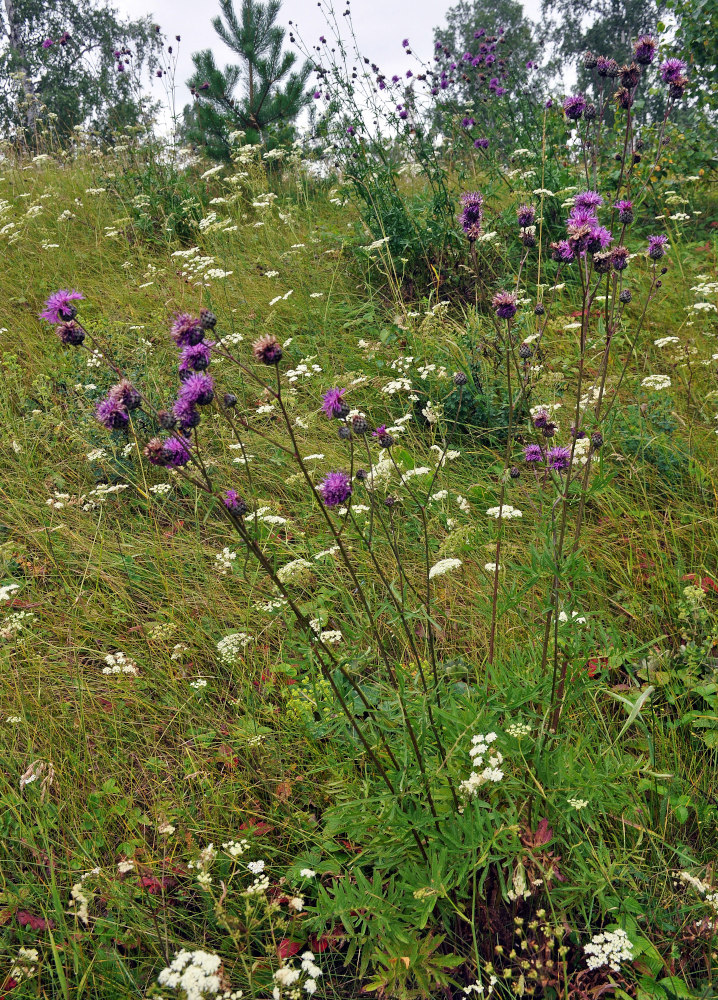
<point>207,319</point>
<point>460,378</point>
<point>267,350</point>
<point>70,333</point>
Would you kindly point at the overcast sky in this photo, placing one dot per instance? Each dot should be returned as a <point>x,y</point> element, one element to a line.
<point>380,26</point>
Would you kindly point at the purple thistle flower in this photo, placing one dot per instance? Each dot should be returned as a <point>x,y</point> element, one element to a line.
<point>195,358</point>
<point>573,107</point>
<point>59,307</point>
<point>186,330</point>
<point>588,199</point>
<point>197,390</point>
<point>562,251</point>
<point>533,453</point>
<point>672,70</point>
<point>657,246</point>
<point>333,403</point>
<point>176,453</point>
<point>186,414</point>
<point>558,458</point>
<point>481,143</point>
<point>467,122</point>
<point>48,43</point>
<point>505,304</point>
<point>645,49</point>
<point>580,216</point>
<point>619,258</point>
<point>125,394</point>
<point>111,414</point>
<point>598,239</point>
<point>472,214</point>
<point>541,419</point>
<point>234,503</point>
<point>525,215</point>
<point>625,211</point>
<point>336,488</point>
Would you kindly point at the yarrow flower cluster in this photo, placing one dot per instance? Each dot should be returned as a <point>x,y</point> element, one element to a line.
<point>231,646</point>
<point>194,972</point>
<point>287,977</point>
<point>609,948</point>
<point>505,512</point>
<point>444,566</point>
<point>119,663</point>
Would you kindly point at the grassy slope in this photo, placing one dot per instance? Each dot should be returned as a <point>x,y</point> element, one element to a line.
<point>128,753</point>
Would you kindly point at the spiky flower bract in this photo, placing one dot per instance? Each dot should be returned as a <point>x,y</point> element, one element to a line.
<point>336,488</point>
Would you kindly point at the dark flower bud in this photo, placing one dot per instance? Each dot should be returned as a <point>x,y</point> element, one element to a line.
<point>539,309</point>
<point>619,258</point>
<point>361,475</point>
<point>267,350</point>
<point>659,284</point>
<point>344,432</point>
<point>636,157</point>
<point>360,425</point>
<point>525,351</point>
<point>166,421</point>
<point>623,98</point>
<point>664,270</point>
<point>207,319</point>
<point>549,430</point>
<point>625,295</point>
<point>613,69</point>
<point>515,472</point>
<point>590,112</point>
<point>154,451</point>
<point>589,60</point>
<point>390,502</point>
<point>630,75</point>
<point>70,333</point>
<point>126,395</point>
<point>602,262</point>
<point>597,439</point>
<point>229,399</point>
<point>386,440</point>
<point>528,239</point>
<point>460,378</point>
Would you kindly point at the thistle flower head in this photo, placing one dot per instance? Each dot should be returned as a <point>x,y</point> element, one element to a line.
<point>657,246</point>
<point>59,306</point>
<point>644,49</point>
<point>472,214</point>
<point>234,503</point>
<point>197,390</point>
<point>186,330</point>
<point>195,358</point>
<point>186,414</point>
<point>558,458</point>
<point>533,453</point>
<point>574,106</point>
<point>70,333</point>
<point>267,350</point>
<point>176,453</point>
<point>336,488</point>
<point>619,258</point>
<point>333,403</point>
<point>112,414</point>
<point>525,215</point>
<point>672,70</point>
<point>563,252</point>
<point>504,304</point>
<point>125,394</point>
<point>588,199</point>
<point>625,211</point>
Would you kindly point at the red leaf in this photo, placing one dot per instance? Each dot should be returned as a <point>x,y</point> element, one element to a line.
<point>287,948</point>
<point>257,826</point>
<point>27,919</point>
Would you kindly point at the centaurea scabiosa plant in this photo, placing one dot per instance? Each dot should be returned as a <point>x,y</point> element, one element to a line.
<point>177,443</point>
<point>596,255</point>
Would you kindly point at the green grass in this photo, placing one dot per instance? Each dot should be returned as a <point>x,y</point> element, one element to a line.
<point>262,751</point>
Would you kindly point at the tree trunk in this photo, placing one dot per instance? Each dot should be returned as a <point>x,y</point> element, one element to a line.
<point>16,44</point>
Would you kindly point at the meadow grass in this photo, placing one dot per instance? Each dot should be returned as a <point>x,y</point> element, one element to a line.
<point>259,750</point>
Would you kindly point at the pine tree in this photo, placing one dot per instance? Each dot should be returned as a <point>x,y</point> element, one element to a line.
<point>273,94</point>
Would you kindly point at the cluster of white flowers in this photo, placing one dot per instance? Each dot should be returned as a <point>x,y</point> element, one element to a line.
<point>656,382</point>
<point>25,965</point>
<point>80,901</point>
<point>194,972</point>
<point>15,623</point>
<point>518,730</point>
<point>574,619</point>
<point>702,888</point>
<point>203,864</point>
<point>479,989</point>
<point>304,370</point>
<point>231,646</point>
<point>443,566</point>
<point>198,684</point>
<point>505,512</point>
<point>8,590</point>
<point>608,948</point>
<point>161,489</point>
<point>288,976</point>
<point>665,341</point>
<point>295,570</point>
<point>119,663</point>
<point>578,804</point>
<point>483,772</point>
<point>224,559</point>
<point>236,848</point>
